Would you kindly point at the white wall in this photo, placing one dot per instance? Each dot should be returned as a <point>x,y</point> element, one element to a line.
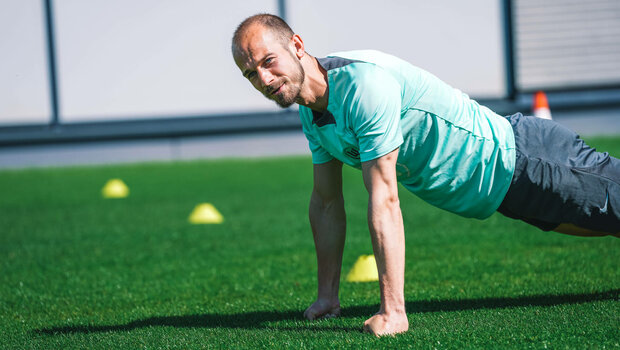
<point>24,88</point>
<point>135,59</point>
<point>566,43</point>
<point>148,58</point>
<point>461,42</point>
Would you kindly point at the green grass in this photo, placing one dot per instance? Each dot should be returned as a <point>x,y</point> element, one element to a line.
<point>80,271</point>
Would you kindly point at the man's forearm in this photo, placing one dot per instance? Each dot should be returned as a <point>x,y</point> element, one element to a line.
<point>388,240</point>
<point>328,222</point>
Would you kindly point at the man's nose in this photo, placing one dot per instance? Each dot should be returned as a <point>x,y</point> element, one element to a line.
<point>265,77</point>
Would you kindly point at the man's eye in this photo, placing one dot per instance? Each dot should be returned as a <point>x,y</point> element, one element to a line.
<point>269,60</point>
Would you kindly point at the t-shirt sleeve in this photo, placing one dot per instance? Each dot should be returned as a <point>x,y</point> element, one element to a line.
<point>319,154</point>
<point>375,113</point>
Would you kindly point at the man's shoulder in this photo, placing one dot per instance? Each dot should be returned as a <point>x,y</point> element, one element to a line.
<point>345,68</point>
<point>347,73</point>
<point>368,56</point>
<point>360,80</point>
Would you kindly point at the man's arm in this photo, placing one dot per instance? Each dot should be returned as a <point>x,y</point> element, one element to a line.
<point>327,219</point>
<point>388,240</point>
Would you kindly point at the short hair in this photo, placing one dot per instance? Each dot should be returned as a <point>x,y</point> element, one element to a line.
<point>274,23</point>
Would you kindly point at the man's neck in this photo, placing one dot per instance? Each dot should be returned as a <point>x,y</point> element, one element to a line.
<point>315,92</point>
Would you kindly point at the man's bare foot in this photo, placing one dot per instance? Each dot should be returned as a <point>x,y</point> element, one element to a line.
<point>383,324</point>
<point>323,309</point>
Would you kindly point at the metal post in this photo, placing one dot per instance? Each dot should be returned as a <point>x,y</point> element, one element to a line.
<point>51,59</point>
<point>509,49</point>
<point>282,9</point>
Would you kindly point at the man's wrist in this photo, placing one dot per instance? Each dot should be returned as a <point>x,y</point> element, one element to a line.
<point>328,294</point>
<point>392,302</point>
<point>329,302</point>
<point>394,309</point>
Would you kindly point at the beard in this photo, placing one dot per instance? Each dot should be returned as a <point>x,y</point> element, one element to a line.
<point>293,85</point>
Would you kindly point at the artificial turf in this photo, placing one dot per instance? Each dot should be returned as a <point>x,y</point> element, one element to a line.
<point>80,271</point>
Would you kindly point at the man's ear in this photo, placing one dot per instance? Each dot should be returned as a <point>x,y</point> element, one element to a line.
<point>297,45</point>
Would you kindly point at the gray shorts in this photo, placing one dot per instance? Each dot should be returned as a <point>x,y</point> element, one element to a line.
<point>559,179</point>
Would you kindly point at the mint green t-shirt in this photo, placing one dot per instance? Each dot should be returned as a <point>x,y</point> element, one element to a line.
<point>454,153</point>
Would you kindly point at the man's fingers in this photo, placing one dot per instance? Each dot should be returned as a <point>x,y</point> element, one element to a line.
<point>367,328</point>
<point>310,314</point>
<point>335,312</point>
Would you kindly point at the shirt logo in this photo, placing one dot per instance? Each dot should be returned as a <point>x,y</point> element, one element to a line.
<point>352,152</point>
<point>603,210</point>
<point>402,171</point>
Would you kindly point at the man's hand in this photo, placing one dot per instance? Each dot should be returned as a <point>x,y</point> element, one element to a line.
<point>384,324</point>
<point>323,308</point>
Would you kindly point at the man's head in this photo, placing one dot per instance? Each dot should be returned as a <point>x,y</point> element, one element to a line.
<point>268,53</point>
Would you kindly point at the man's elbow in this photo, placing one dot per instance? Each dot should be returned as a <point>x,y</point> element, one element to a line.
<point>324,202</point>
<point>392,202</point>
<point>387,199</point>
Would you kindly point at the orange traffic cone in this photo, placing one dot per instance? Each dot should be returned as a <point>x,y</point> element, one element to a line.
<point>541,106</point>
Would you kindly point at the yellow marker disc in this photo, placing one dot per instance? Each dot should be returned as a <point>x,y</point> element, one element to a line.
<point>115,188</point>
<point>205,213</point>
<point>364,270</point>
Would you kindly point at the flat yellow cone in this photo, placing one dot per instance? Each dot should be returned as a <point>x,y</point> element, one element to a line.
<point>364,270</point>
<point>205,213</point>
<point>115,188</point>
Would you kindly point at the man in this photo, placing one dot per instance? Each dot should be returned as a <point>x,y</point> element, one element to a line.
<point>397,122</point>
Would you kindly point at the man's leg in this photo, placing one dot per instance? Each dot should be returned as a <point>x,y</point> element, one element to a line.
<point>560,183</point>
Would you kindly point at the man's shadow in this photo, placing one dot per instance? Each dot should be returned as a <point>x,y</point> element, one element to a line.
<point>261,319</point>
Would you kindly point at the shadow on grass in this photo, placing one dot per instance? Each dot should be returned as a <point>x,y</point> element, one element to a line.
<point>260,319</point>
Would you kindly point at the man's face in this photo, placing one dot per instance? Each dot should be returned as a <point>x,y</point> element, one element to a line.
<point>272,68</point>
